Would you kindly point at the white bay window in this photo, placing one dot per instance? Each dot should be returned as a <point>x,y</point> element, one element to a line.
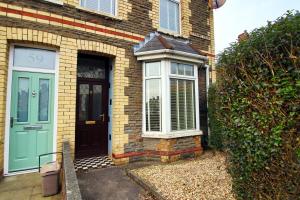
<point>170,99</point>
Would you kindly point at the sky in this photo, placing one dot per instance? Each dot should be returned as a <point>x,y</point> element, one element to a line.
<point>239,15</point>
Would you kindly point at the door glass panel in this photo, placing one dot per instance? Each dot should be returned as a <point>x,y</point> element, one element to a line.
<point>34,58</point>
<point>83,102</point>
<point>91,68</point>
<point>23,94</point>
<point>43,99</point>
<point>97,102</point>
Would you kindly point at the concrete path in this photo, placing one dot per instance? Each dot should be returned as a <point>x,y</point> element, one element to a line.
<point>109,184</point>
<point>25,187</point>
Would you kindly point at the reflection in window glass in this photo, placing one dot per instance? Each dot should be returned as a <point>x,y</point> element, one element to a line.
<point>34,58</point>
<point>23,100</point>
<point>43,99</point>
<point>153,102</point>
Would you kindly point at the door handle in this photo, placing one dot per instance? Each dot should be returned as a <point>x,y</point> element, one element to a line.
<point>11,122</point>
<point>103,117</point>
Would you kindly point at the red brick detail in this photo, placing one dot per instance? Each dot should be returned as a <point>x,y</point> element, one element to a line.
<point>71,23</point>
<point>156,153</point>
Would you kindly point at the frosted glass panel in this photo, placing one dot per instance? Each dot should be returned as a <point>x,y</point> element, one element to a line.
<point>23,94</point>
<point>97,102</point>
<point>34,58</point>
<point>43,99</point>
<point>84,91</point>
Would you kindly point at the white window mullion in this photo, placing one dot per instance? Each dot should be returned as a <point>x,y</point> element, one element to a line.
<point>177,104</point>
<point>185,107</point>
<point>148,105</point>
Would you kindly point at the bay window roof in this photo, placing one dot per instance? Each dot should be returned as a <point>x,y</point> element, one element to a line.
<point>158,45</point>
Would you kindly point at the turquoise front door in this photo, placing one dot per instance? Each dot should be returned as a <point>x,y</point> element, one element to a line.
<point>31,122</point>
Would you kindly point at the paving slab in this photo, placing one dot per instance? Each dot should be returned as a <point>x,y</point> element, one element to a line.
<point>109,184</point>
<point>25,187</point>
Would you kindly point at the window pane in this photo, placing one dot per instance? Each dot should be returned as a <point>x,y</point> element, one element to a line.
<point>34,58</point>
<point>173,16</point>
<point>164,14</point>
<point>190,105</point>
<point>97,102</point>
<point>107,6</point>
<point>174,105</point>
<point>83,101</point>
<point>92,4</point>
<point>180,69</point>
<point>153,69</point>
<point>169,15</point>
<point>43,99</point>
<point>153,110</point>
<point>189,70</point>
<point>23,99</point>
<point>174,68</point>
<point>182,105</point>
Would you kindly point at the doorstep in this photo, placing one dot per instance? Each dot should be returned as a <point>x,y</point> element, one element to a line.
<point>26,186</point>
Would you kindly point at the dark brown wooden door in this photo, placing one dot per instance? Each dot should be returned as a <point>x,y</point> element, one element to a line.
<point>91,117</point>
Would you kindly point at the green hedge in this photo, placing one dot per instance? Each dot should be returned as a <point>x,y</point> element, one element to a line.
<point>216,135</point>
<point>258,89</point>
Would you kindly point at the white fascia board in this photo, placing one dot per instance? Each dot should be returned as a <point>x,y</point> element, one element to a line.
<point>172,54</point>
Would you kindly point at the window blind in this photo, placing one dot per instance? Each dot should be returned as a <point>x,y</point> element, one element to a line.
<point>182,104</point>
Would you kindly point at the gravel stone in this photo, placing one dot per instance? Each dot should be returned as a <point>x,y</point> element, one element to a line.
<point>205,178</point>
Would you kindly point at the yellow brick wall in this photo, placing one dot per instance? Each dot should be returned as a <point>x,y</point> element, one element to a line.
<point>3,80</point>
<point>212,61</point>
<point>68,49</point>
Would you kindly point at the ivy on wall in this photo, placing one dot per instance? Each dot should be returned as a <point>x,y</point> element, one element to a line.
<point>258,106</point>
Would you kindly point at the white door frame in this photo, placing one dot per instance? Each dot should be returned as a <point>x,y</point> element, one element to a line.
<point>11,68</point>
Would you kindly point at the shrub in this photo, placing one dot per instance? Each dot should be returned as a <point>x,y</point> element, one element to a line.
<point>216,135</point>
<point>259,93</point>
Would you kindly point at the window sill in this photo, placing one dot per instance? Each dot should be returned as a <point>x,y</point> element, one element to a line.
<point>58,2</point>
<point>166,31</point>
<point>170,135</point>
<point>103,14</point>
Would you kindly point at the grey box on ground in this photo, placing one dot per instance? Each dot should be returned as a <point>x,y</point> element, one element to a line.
<point>50,174</point>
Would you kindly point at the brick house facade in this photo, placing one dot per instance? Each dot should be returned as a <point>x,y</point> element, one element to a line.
<point>71,32</point>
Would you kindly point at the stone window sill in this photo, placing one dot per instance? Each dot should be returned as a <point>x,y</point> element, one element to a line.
<point>58,2</point>
<point>177,134</point>
<point>166,31</point>
<point>103,14</point>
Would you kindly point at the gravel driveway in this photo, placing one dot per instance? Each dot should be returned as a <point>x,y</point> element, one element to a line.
<point>199,179</point>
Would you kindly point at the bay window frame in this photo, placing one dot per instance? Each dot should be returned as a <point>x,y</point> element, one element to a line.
<point>166,76</point>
